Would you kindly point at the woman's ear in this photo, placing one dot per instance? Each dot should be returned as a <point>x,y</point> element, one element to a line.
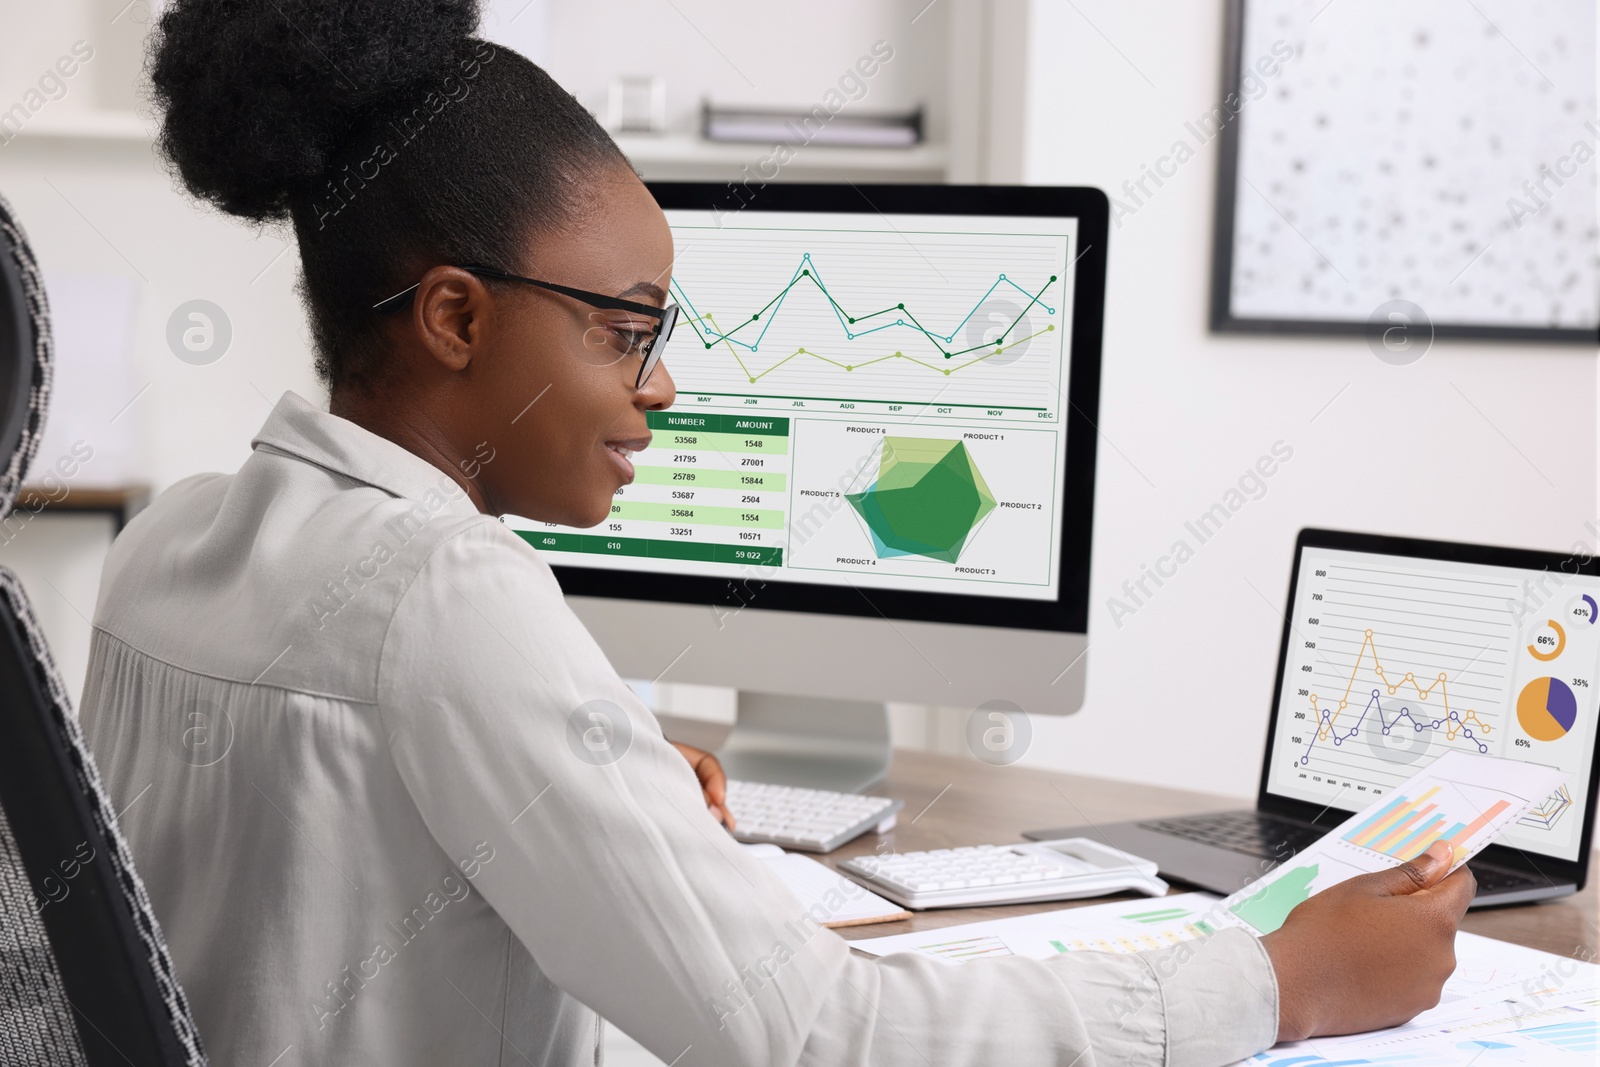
<point>450,315</point>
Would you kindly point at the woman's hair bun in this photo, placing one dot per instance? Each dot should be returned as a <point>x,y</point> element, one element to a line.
<point>259,96</point>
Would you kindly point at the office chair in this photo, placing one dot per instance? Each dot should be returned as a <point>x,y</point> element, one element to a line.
<point>85,978</point>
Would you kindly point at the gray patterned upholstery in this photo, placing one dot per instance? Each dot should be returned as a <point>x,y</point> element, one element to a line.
<point>36,1024</point>
<point>15,243</point>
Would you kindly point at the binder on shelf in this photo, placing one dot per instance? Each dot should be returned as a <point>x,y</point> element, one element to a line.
<point>817,126</point>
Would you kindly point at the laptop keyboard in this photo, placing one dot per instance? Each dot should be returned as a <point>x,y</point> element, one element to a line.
<point>1269,837</point>
<point>1501,880</point>
<point>1250,832</point>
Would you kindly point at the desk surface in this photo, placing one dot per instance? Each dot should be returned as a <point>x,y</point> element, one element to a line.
<point>954,801</point>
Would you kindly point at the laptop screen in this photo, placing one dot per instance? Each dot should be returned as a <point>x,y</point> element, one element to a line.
<point>1394,660</point>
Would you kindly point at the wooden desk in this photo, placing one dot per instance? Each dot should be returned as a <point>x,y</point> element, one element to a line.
<point>959,801</point>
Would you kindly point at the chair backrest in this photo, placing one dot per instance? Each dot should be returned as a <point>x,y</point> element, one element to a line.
<point>85,977</point>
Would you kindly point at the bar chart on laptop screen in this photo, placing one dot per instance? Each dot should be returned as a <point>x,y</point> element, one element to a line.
<point>1395,661</point>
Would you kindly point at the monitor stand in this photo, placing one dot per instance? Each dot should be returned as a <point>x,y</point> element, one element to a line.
<point>806,741</point>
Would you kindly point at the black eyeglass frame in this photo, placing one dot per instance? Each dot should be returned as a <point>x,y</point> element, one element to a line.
<point>666,317</point>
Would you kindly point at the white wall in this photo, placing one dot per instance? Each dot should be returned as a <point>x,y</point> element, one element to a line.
<point>1482,442</point>
<point>109,209</point>
<point>96,203</point>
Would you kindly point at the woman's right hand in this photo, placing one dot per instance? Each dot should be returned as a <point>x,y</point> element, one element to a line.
<point>1370,952</point>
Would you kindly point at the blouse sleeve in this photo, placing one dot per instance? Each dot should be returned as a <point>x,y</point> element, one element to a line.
<point>507,724</point>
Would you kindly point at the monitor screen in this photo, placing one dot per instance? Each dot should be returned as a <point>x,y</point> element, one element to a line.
<point>867,399</point>
<point>1394,660</point>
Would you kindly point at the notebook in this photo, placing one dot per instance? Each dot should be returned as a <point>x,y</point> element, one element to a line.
<point>828,896</point>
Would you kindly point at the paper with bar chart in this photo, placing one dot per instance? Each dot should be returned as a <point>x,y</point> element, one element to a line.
<point>1462,799</point>
<point>860,399</point>
<point>1121,927</point>
<point>1394,661</point>
<point>1505,1006</point>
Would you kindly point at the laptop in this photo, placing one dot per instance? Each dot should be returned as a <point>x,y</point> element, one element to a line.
<point>1395,651</point>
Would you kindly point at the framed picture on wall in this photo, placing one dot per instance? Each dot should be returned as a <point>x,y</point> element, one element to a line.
<point>1383,161</point>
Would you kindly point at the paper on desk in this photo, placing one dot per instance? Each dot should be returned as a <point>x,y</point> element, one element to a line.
<point>1504,1005</point>
<point>1121,926</point>
<point>828,896</point>
<point>1461,798</point>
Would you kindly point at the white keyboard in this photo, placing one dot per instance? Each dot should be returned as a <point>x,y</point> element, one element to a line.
<point>808,820</point>
<point>1004,874</point>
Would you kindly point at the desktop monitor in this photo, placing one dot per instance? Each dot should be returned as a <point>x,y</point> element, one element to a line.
<point>877,481</point>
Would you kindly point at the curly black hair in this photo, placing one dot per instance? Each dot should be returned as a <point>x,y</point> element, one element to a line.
<point>390,136</point>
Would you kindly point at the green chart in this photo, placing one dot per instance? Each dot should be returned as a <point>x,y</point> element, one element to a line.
<point>1267,910</point>
<point>1160,915</point>
<point>952,317</point>
<point>749,330</point>
<point>925,499</point>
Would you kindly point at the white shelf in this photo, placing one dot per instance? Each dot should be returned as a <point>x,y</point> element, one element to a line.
<point>666,156</point>
<point>99,124</point>
<point>684,152</point>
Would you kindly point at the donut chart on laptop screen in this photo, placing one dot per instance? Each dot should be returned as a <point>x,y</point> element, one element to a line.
<point>1395,660</point>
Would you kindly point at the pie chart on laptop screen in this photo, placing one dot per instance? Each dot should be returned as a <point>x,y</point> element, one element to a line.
<point>1547,708</point>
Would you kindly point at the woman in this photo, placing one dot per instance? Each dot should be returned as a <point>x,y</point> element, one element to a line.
<point>347,710</point>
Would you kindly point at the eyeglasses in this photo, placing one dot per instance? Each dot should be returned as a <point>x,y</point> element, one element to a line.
<point>648,346</point>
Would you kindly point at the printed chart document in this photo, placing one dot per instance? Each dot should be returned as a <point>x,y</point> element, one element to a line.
<point>1121,926</point>
<point>1462,799</point>
<point>1504,1005</point>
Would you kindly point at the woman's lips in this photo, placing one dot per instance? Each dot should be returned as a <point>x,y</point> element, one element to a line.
<point>622,451</point>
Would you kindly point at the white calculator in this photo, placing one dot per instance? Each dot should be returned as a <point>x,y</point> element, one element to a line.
<point>1063,869</point>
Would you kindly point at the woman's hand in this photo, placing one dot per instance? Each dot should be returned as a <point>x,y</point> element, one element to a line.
<point>712,781</point>
<point>1370,952</point>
